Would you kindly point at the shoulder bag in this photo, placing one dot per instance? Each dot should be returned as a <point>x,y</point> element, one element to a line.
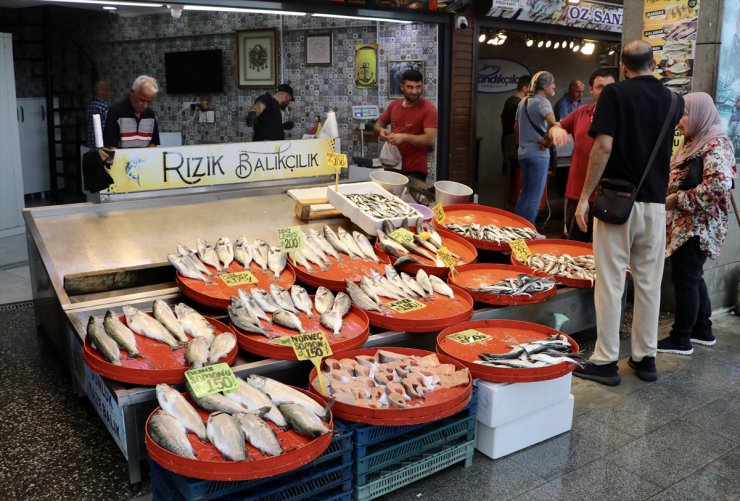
<point>553,150</point>
<point>615,197</point>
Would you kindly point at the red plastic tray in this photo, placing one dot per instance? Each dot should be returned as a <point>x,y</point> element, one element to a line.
<point>503,334</point>
<point>475,275</point>
<point>483,214</point>
<point>435,405</point>
<point>169,366</point>
<point>454,242</point>
<point>355,329</point>
<point>557,247</point>
<point>439,313</point>
<point>338,271</point>
<point>218,294</point>
<point>211,465</point>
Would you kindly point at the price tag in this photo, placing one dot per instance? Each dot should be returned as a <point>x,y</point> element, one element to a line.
<point>282,341</point>
<point>312,346</point>
<point>336,160</point>
<point>290,238</point>
<point>468,336</point>
<point>439,213</point>
<point>402,235</point>
<point>212,379</point>
<point>405,305</point>
<point>520,249</point>
<point>444,255</point>
<point>238,278</point>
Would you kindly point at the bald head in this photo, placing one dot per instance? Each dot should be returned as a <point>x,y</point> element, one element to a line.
<point>637,56</point>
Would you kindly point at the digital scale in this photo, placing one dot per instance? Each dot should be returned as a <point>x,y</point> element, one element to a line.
<point>364,113</point>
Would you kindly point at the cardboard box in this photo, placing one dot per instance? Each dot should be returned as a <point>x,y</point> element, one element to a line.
<point>368,223</point>
<point>500,403</point>
<point>528,430</point>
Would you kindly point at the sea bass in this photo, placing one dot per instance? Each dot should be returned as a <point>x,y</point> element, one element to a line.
<point>163,313</point>
<point>280,393</point>
<point>282,298</point>
<point>288,320</point>
<point>194,323</point>
<point>122,335</point>
<point>186,269</point>
<point>302,420</point>
<point>255,400</point>
<point>197,352</point>
<point>103,342</point>
<point>170,434</point>
<point>143,324</point>
<point>172,402</point>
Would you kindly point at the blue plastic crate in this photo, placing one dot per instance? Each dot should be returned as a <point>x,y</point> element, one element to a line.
<point>310,484</point>
<point>338,454</point>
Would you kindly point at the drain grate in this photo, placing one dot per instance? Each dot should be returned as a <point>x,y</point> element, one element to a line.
<point>12,266</point>
<point>23,305</point>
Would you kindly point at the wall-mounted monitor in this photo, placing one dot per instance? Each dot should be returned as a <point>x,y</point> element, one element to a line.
<point>194,72</point>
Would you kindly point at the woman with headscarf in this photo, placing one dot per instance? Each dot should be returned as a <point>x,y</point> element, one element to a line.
<point>534,117</point>
<point>697,213</point>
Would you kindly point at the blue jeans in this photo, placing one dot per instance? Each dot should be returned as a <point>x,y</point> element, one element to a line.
<point>534,178</point>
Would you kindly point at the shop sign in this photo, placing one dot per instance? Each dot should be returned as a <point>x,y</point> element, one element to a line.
<point>162,168</point>
<point>587,15</point>
<point>498,76</point>
<point>107,408</point>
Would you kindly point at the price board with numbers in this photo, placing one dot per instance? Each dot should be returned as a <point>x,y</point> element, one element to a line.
<point>402,235</point>
<point>468,336</point>
<point>520,249</point>
<point>238,278</point>
<point>439,213</point>
<point>405,305</point>
<point>290,238</point>
<point>211,379</point>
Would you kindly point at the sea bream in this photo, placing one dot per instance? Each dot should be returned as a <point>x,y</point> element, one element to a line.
<point>170,434</point>
<point>300,259</point>
<point>242,319</point>
<point>122,335</point>
<point>282,298</point>
<point>259,434</point>
<point>288,320</point>
<point>225,251</point>
<point>281,393</point>
<point>197,352</point>
<point>332,320</point>
<point>172,402</point>
<point>264,300</point>
<point>194,323</point>
<point>221,346</point>
<point>147,326</point>
<point>342,304</point>
<point>255,400</point>
<point>360,298</point>
<point>324,299</point>
<point>243,252</point>
<point>208,255</point>
<point>191,258</point>
<point>315,248</point>
<point>335,241</point>
<point>301,300</point>
<point>441,288</point>
<point>261,254</point>
<point>276,261</point>
<point>103,342</point>
<point>216,403</point>
<point>186,269</point>
<point>246,301</point>
<point>227,436</point>
<point>164,315</point>
<point>422,278</point>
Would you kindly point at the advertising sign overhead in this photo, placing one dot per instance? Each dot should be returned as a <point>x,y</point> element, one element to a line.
<point>588,15</point>
<point>498,76</point>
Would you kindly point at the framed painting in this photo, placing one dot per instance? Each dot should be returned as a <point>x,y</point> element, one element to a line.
<point>366,66</point>
<point>395,72</point>
<point>257,58</point>
<point>319,49</point>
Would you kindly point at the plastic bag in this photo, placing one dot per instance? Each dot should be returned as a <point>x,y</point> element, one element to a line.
<point>390,156</point>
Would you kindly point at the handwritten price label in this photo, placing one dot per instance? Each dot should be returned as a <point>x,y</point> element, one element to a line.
<point>238,278</point>
<point>290,238</point>
<point>520,249</point>
<point>282,341</point>
<point>439,213</point>
<point>402,235</point>
<point>311,345</point>
<point>468,336</point>
<point>212,379</point>
<point>405,305</point>
<point>336,160</point>
<point>444,255</point>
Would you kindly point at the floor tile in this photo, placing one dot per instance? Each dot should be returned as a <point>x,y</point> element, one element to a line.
<point>703,389</point>
<point>598,480</point>
<point>721,416</point>
<point>14,289</point>
<point>23,272</point>
<point>718,481</point>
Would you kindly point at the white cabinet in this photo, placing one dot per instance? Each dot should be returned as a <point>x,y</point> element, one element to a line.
<point>32,123</point>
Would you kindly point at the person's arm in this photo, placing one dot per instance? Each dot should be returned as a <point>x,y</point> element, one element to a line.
<point>596,164</point>
<point>424,140</point>
<point>256,110</point>
<point>716,181</point>
<point>380,130</point>
<point>558,133</point>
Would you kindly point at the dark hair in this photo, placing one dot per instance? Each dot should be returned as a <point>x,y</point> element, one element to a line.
<point>411,75</point>
<point>601,72</point>
<point>523,82</point>
<point>637,57</point>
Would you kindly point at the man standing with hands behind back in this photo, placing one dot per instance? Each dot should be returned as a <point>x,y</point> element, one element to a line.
<point>131,123</point>
<point>413,121</point>
<point>626,127</point>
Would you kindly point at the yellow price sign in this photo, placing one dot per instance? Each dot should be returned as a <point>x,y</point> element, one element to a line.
<point>405,305</point>
<point>282,341</point>
<point>210,380</point>
<point>312,346</point>
<point>468,336</point>
<point>439,213</point>
<point>238,278</point>
<point>444,255</point>
<point>520,249</point>
<point>290,238</point>
<point>402,235</point>
<point>337,160</point>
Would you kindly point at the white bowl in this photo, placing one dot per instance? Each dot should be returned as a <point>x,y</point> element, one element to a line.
<point>450,192</point>
<point>391,181</point>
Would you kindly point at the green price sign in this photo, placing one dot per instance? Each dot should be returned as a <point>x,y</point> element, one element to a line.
<point>311,345</point>
<point>520,249</point>
<point>468,336</point>
<point>290,238</point>
<point>405,305</point>
<point>439,213</point>
<point>212,379</point>
<point>238,278</point>
<point>402,235</point>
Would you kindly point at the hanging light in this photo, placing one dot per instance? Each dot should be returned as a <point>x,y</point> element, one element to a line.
<point>529,42</point>
<point>556,46</point>
<point>482,38</point>
<point>571,44</point>
<point>548,44</point>
<point>540,43</point>
<point>612,50</point>
<point>576,47</point>
<point>492,41</point>
<point>588,48</point>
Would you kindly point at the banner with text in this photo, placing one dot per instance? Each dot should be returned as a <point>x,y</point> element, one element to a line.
<point>498,76</point>
<point>162,168</point>
<point>587,15</point>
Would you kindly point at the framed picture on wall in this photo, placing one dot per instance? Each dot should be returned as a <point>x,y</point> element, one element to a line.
<point>395,71</point>
<point>257,58</point>
<point>318,49</point>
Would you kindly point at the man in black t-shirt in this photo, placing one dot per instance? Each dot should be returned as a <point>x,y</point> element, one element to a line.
<point>626,125</point>
<point>266,116</point>
<point>508,117</point>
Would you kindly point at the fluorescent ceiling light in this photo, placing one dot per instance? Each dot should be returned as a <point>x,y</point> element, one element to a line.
<point>482,37</point>
<point>379,19</point>
<point>212,8</point>
<point>109,7</point>
<point>105,2</point>
<point>588,48</point>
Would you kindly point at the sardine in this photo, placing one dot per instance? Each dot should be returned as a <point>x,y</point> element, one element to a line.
<point>324,299</point>
<point>277,261</point>
<point>280,393</point>
<point>221,346</point>
<point>332,320</point>
<point>365,246</point>
<point>282,298</point>
<point>441,288</point>
<point>194,323</point>
<point>166,431</point>
<point>359,297</point>
<point>197,352</point>
<point>350,243</point>
<point>225,251</point>
<point>122,335</point>
<point>288,320</point>
<point>187,270</point>
<point>227,436</point>
<point>302,420</point>
<point>255,400</point>
<point>166,317</point>
<point>103,342</point>
<point>342,304</point>
<point>382,206</point>
<point>264,300</point>
<point>143,324</point>
<point>172,402</point>
<point>259,434</point>
<point>335,241</point>
<point>301,300</point>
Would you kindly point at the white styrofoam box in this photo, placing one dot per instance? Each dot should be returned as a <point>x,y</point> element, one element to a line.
<point>368,223</point>
<point>500,403</point>
<point>532,429</point>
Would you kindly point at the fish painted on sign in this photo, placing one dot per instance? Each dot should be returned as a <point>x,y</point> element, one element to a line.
<point>132,170</point>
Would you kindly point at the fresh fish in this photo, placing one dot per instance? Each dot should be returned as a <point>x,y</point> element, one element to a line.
<point>398,282</point>
<point>335,241</point>
<point>255,400</point>
<point>564,265</point>
<point>434,235</point>
<point>350,243</point>
<point>277,261</point>
<point>302,420</point>
<point>259,434</point>
<point>227,436</point>
<point>313,257</point>
<point>197,352</point>
<point>381,206</point>
<point>288,320</point>
<point>390,246</point>
<point>103,342</point>
<point>208,255</point>
<point>264,300</point>
<point>359,297</point>
<point>194,323</point>
<point>522,284</point>
<point>300,259</point>
<point>164,316</point>
<point>315,248</point>
<point>143,324</point>
<point>342,304</point>
<point>412,247</point>
<point>390,272</point>
<point>187,270</point>
<point>225,251</point>
<point>221,346</point>
<point>368,287</point>
<point>174,404</point>
<point>166,431</point>
<point>412,284</point>
<point>324,299</point>
<point>282,298</point>
<point>246,301</point>
<point>243,252</point>
<point>492,233</point>
<point>386,288</point>
<point>332,320</point>
<point>241,318</point>
<point>441,288</point>
<point>319,239</point>
<point>261,253</point>
<point>281,393</point>
<point>191,257</point>
<point>301,299</point>
<point>122,335</point>
<point>422,278</point>
<point>365,246</point>
<point>217,403</point>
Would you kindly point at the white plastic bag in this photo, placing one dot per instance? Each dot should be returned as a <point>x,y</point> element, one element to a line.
<point>390,156</point>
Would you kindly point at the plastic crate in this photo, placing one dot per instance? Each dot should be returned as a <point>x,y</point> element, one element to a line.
<point>335,461</point>
<point>414,469</point>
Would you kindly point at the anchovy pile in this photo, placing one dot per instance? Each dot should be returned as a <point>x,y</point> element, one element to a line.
<point>553,350</point>
<point>564,265</point>
<point>382,206</point>
<point>523,284</point>
<point>318,248</point>
<point>492,233</point>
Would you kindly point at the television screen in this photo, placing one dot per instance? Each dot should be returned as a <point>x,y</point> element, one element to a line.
<point>194,72</point>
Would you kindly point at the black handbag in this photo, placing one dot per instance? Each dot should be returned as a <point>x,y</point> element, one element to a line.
<point>95,164</point>
<point>553,151</point>
<point>694,176</point>
<point>615,197</point>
